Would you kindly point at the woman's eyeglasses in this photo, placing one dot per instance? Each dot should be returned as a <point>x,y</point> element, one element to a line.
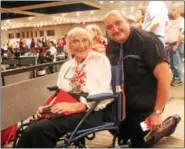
<point>71,71</point>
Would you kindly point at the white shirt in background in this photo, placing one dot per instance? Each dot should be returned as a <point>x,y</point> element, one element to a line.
<point>53,51</point>
<point>174,27</point>
<point>156,11</point>
<point>94,77</point>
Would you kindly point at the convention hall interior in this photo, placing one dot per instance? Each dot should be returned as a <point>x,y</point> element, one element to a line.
<point>35,45</point>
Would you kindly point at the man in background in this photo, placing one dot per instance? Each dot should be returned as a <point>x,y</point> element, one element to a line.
<point>156,18</point>
<point>175,43</point>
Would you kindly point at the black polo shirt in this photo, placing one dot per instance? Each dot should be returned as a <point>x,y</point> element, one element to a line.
<point>140,85</point>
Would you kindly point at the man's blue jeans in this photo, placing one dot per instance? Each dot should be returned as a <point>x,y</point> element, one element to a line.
<point>181,47</point>
<point>176,62</point>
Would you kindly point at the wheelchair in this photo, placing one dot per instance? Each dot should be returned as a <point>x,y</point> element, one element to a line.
<point>112,116</point>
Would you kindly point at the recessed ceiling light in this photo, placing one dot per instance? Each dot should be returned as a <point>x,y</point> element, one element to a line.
<point>8,21</point>
<point>101,2</point>
<point>63,15</point>
<point>78,14</point>
<point>111,1</point>
<point>92,12</point>
<point>30,18</point>
<point>132,9</point>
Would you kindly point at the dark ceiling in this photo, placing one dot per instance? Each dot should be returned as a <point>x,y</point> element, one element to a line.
<point>63,8</point>
<point>5,16</point>
<point>13,4</point>
<point>44,10</point>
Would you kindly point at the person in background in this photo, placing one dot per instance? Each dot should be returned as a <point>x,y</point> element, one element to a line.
<point>63,41</point>
<point>52,50</point>
<point>176,45</point>
<point>140,13</point>
<point>32,43</point>
<point>39,44</point>
<point>59,42</point>
<point>51,55</point>
<point>98,38</point>
<point>155,19</point>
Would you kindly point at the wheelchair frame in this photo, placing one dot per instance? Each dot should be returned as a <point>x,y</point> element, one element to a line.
<point>77,137</point>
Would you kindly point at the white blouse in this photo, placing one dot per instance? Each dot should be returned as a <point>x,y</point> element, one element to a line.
<point>93,75</point>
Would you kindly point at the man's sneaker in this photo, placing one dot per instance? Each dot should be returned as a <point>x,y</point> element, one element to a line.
<point>176,83</point>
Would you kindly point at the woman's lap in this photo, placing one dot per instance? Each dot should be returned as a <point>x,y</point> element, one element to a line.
<point>54,128</point>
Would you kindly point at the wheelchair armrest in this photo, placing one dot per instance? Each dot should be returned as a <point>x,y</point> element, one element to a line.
<point>53,88</point>
<point>84,94</point>
<point>99,97</point>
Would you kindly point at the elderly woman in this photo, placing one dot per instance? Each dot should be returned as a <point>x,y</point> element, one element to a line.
<point>98,38</point>
<point>88,72</point>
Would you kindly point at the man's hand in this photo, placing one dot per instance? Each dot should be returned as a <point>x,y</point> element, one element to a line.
<point>64,106</point>
<point>154,121</point>
<point>39,112</point>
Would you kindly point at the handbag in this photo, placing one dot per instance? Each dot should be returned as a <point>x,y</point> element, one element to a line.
<point>62,96</point>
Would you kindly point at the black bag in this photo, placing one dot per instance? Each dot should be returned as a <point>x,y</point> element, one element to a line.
<point>167,128</point>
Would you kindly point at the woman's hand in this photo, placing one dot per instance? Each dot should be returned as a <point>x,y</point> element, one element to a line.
<point>39,112</point>
<point>64,106</point>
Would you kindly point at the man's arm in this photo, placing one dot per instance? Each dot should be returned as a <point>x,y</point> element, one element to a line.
<point>153,27</point>
<point>163,76</point>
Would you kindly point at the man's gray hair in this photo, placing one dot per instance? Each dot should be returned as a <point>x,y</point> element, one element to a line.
<point>117,12</point>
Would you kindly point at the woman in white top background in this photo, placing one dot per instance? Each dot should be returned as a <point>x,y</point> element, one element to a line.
<point>98,38</point>
<point>88,72</point>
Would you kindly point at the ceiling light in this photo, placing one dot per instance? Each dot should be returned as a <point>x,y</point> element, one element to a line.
<point>111,1</point>
<point>8,21</point>
<point>101,2</point>
<point>132,9</point>
<point>63,15</point>
<point>92,12</point>
<point>78,14</point>
<point>123,12</point>
<point>140,5</point>
<point>30,18</point>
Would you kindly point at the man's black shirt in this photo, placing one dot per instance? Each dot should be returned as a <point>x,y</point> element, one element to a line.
<point>140,85</point>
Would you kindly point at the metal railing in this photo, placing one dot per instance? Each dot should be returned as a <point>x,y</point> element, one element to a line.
<point>28,68</point>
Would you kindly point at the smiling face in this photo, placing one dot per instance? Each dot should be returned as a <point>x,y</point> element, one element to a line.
<point>117,27</point>
<point>79,43</point>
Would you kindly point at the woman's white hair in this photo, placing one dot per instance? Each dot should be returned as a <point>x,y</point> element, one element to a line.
<point>75,32</point>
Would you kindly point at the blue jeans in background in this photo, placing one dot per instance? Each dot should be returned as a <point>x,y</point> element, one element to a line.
<point>176,62</point>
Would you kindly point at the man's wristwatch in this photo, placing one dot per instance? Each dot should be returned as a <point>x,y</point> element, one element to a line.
<point>157,111</point>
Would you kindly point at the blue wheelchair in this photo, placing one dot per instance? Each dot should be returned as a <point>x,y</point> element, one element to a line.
<point>112,116</point>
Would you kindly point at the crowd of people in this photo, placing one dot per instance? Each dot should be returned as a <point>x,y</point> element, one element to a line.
<point>46,49</point>
<point>170,30</point>
<point>146,83</point>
